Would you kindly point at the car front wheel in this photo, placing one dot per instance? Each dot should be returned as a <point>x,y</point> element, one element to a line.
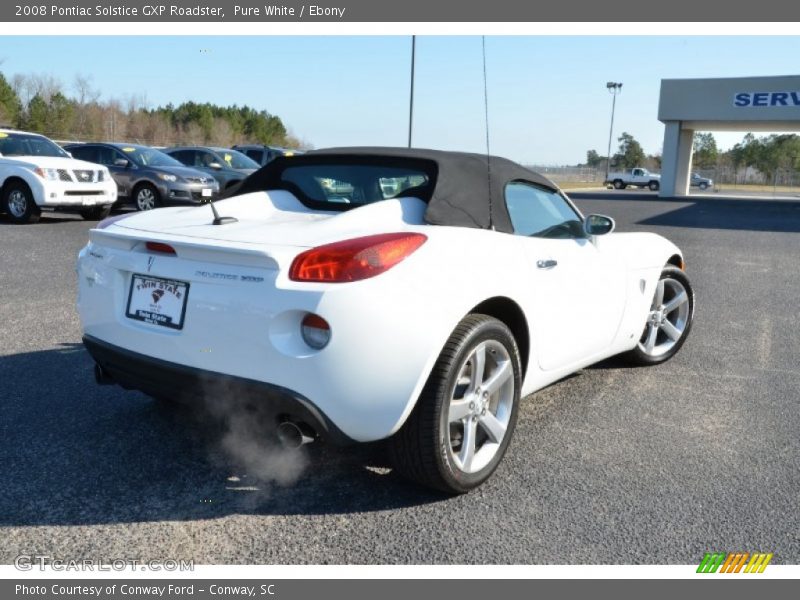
<point>462,424</point>
<point>668,321</point>
<point>653,185</point>
<point>18,203</point>
<point>146,197</point>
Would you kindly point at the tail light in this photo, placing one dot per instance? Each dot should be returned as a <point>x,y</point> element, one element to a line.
<point>356,259</point>
<point>160,247</point>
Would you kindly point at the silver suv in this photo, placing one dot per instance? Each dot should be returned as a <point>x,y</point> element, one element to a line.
<point>147,176</point>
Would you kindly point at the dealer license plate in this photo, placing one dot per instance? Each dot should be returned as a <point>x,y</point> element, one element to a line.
<point>157,301</point>
<point>206,192</point>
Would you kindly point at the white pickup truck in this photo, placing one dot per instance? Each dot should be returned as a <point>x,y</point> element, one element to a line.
<point>37,174</point>
<point>637,177</point>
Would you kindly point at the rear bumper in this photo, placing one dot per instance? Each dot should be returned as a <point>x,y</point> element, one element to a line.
<point>159,378</point>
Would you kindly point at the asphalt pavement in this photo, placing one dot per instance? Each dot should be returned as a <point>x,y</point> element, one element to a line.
<point>612,465</point>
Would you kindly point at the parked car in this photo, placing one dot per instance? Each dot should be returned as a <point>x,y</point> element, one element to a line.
<point>422,318</point>
<point>36,174</point>
<point>264,154</point>
<point>637,177</point>
<point>698,181</point>
<point>147,176</point>
<point>228,167</point>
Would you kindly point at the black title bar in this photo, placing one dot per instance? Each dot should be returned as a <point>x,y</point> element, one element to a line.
<point>612,12</point>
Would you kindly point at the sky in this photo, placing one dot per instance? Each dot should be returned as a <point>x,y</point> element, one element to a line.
<point>547,96</point>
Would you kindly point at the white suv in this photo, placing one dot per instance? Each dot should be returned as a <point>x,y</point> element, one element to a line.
<point>36,174</point>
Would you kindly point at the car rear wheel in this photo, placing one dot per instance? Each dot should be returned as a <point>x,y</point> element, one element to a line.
<point>146,197</point>
<point>96,213</point>
<point>668,321</point>
<point>19,205</point>
<point>619,184</point>
<point>653,185</point>
<point>464,419</point>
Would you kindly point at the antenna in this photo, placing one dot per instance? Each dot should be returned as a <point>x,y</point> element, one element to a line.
<point>220,220</point>
<point>486,114</point>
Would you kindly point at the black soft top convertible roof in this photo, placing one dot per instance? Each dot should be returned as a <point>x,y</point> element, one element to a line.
<point>462,191</point>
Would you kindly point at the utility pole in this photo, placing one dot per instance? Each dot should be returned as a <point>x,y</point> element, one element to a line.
<point>411,99</point>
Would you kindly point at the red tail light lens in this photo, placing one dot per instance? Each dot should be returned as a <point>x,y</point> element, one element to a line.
<point>356,259</point>
<point>160,247</point>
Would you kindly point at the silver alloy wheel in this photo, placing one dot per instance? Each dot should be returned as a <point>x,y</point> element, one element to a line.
<point>145,199</point>
<point>17,203</point>
<point>480,406</point>
<point>668,317</point>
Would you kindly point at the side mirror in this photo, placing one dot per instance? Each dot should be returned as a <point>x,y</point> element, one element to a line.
<point>121,162</point>
<point>215,165</point>
<point>598,225</point>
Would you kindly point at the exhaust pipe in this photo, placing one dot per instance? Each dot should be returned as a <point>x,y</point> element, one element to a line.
<point>294,435</point>
<point>101,376</point>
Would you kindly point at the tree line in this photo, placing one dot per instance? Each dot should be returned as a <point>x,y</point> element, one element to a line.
<point>41,104</point>
<point>768,154</point>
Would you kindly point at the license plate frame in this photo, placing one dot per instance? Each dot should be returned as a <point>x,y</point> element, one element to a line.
<point>172,289</point>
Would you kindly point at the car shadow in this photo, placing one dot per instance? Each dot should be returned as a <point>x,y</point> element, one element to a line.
<point>45,219</point>
<point>75,453</point>
<point>715,212</point>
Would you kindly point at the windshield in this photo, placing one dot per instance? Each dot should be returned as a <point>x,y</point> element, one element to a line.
<point>25,144</point>
<point>149,157</point>
<point>355,184</point>
<point>339,183</point>
<point>237,160</point>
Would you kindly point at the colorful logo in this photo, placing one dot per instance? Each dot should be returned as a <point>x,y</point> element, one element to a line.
<point>732,562</point>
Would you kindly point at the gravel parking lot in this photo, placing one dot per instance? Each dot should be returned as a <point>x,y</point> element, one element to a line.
<point>612,465</point>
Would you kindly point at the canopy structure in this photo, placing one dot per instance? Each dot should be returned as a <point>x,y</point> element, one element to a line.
<point>729,104</point>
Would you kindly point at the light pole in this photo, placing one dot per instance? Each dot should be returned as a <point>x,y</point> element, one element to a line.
<point>613,89</point>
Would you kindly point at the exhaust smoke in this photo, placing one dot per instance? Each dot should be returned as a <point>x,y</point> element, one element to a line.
<point>247,443</point>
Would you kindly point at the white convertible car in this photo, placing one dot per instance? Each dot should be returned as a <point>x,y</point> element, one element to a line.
<point>370,293</point>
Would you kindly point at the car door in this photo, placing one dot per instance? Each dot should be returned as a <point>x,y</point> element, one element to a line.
<point>575,292</point>
<point>256,155</point>
<point>84,152</point>
<point>110,157</point>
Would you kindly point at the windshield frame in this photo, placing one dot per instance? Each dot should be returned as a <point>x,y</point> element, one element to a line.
<point>38,138</point>
<point>249,162</point>
<point>135,156</point>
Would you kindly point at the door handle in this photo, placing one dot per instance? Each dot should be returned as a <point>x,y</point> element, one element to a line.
<point>546,264</point>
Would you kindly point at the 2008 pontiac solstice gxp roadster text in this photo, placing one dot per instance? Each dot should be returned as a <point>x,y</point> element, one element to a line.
<point>370,293</point>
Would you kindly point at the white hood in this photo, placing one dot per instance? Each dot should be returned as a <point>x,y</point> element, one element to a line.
<point>51,162</point>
